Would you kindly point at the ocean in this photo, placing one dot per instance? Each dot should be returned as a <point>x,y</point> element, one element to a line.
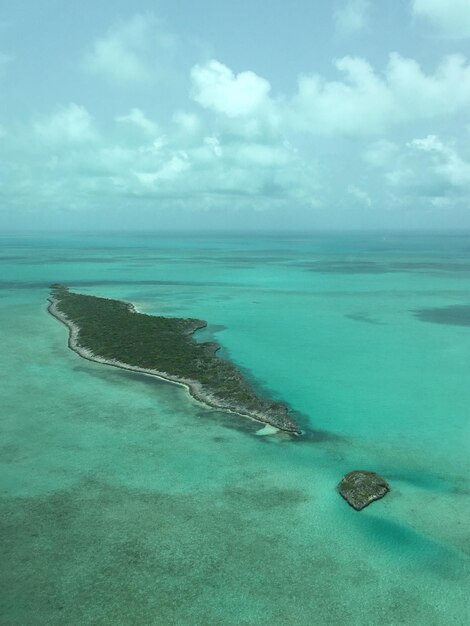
<point>124,501</point>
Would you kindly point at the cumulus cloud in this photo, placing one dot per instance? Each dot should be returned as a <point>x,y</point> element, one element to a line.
<point>443,93</point>
<point>360,104</point>
<point>69,124</point>
<point>168,171</point>
<point>118,55</point>
<point>363,101</point>
<point>232,150</point>
<point>70,161</point>
<point>216,87</point>
<point>137,119</point>
<point>381,153</point>
<point>220,171</point>
<point>444,160</point>
<point>187,128</point>
<point>360,196</point>
<point>367,102</point>
<point>352,16</point>
<point>426,168</point>
<point>450,18</point>
<point>130,51</point>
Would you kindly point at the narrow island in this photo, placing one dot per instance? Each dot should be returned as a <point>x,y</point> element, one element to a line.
<point>114,333</point>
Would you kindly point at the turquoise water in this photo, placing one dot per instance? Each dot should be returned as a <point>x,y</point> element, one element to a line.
<point>126,502</point>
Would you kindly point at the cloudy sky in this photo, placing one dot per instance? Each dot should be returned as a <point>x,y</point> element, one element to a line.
<point>255,114</point>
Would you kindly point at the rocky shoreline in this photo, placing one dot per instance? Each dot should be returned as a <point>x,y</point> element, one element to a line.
<point>194,387</point>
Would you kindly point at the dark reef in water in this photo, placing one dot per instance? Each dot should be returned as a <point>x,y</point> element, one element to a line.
<point>453,315</point>
<point>360,488</point>
<point>113,332</point>
<point>365,266</point>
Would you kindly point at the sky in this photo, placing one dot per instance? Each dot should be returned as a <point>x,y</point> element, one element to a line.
<point>248,115</point>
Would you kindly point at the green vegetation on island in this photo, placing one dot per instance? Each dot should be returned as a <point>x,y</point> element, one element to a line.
<point>112,331</point>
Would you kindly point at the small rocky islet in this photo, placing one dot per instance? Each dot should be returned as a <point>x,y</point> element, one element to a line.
<point>360,487</point>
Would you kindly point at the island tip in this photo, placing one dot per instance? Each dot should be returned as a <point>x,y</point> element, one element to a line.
<point>58,287</point>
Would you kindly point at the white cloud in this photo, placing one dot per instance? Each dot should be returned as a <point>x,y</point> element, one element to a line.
<point>445,161</point>
<point>70,124</point>
<point>67,161</point>
<point>361,104</point>
<point>431,143</point>
<point>188,122</point>
<point>216,87</point>
<point>138,119</point>
<point>131,51</point>
<point>352,16</point>
<point>214,145</point>
<point>450,18</point>
<point>118,56</point>
<point>187,128</point>
<point>361,196</point>
<point>423,96</point>
<point>425,168</point>
<point>363,101</point>
<point>366,102</point>
<point>168,172</point>
<point>235,153</point>
<point>381,153</point>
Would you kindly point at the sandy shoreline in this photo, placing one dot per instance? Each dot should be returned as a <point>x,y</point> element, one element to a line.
<point>193,387</point>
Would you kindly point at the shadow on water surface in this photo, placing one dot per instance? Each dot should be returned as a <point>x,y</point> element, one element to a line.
<point>419,550</point>
<point>421,479</point>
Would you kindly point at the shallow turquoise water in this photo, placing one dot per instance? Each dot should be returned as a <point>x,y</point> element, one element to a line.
<point>125,502</point>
